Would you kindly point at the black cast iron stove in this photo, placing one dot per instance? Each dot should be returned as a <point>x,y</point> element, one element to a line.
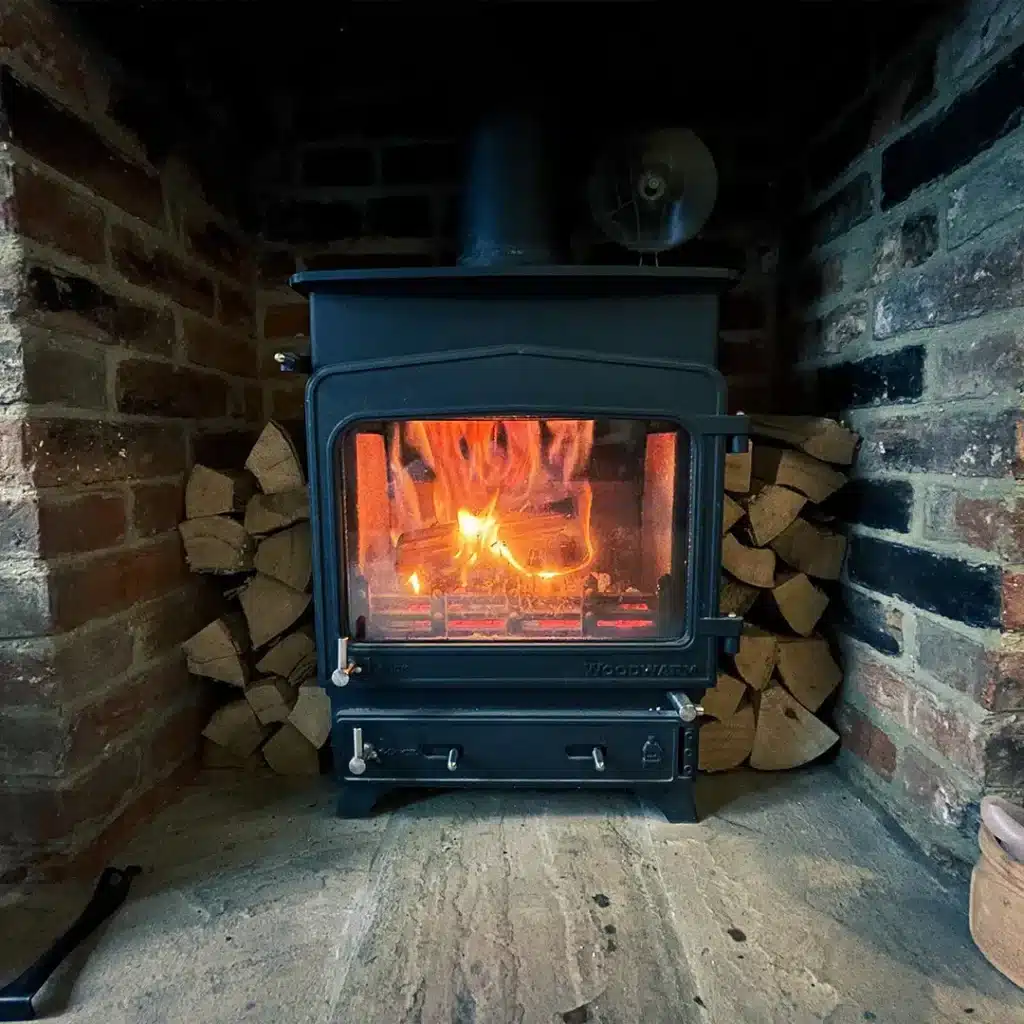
<point>516,476</point>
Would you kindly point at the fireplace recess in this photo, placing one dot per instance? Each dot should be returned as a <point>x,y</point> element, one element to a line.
<point>516,478</point>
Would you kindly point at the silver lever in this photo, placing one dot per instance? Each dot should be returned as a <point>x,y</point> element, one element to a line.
<point>453,759</point>
<point>341,676</point>
<point>361,753</point>
<point>687,710</point>
<point>598,755</point>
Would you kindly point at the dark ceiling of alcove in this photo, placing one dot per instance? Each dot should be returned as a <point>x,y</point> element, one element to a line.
<point>233,79</point>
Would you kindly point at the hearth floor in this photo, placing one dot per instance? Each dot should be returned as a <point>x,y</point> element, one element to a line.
<point>789,903</point>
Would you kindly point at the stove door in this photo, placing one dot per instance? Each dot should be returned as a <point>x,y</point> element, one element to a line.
<point>517,517</point>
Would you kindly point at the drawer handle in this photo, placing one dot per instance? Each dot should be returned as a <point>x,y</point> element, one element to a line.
<point>579,752</point>
<point>598,756</point>
<point>453,759</point>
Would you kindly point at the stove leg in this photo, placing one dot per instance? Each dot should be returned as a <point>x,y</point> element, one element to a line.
<point>676,803</point>
<point>356,800</point>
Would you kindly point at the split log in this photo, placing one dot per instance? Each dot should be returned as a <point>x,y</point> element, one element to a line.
<point>811,549</point>
<point>807,668</point>
<point>288,752</point>
<point>821,438</point>
<point>272,699</point>
<point>216,757</point>
<point>266,513</point>
<point>274,461</point>
<point>270,607</point>
<point>216,651</point>
<point>287,556</point>
<point>755,566</point>
<point>288,654</point>
<point>755,660</point>
<point>723,699</point>
<point>796,470</point>
<point>736,598</point>
<point>771,510</point>
<point>216,544</point>
<point>732,513</point>
<point>787,734</point>
<point>726,743</point>
<point>312,714</point>
<point>236,727</point>
<point>737,472</point>
<point>800,603</point>
<point>213,492</point>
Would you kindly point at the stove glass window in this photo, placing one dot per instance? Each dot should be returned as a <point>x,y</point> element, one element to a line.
<point>515,529</point>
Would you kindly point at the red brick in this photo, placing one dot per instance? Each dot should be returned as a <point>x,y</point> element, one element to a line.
<point>64,376</point>
<point>220,349</point>
<point>1013,600</point>
<point>48,672</point>
<point>947,731</point>
<point>109,583</point>
<point>55,136</point>
<point>149,266</point>
<point>990,523</point>
<point>86,522</point>
<point>51,215</point>
<point>39,37</point>
<point>878,684</point>
<point>1003,686</point>
<point>288,403</point>
<point>286,321</point>
<point>932,787</point>
<point>867,741</point>
<point>157,507</point>
<point>58,452</point>
<point>234,307</point>
<point>150,388</point>
<point>159,625</point>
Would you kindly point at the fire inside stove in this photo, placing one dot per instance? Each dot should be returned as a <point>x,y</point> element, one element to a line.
<point>515,529</point>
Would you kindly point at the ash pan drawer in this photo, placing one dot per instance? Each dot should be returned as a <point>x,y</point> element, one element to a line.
<point>449,749</point>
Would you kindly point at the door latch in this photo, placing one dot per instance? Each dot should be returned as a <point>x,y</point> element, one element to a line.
<point>342,675</point>
<point>361,753</point>
<point>685,708</point>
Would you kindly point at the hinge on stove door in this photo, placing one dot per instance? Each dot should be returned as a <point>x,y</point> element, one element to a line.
<point>735,429</point>
<point>728,627</point>
<point>293,362</point>
<point>341,676</point>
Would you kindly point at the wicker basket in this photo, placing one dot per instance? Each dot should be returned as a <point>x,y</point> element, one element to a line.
<point>997,907</point>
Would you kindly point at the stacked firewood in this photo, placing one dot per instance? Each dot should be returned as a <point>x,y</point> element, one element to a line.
<point>779,552</point>
<point>256,522</point>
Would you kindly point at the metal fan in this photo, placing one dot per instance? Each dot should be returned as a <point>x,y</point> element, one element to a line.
<point>653,192</point>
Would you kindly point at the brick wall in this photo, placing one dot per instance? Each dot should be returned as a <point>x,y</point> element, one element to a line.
<point>905,288</point>
<point>127,333</point>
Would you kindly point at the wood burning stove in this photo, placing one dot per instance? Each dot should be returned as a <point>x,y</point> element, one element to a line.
<point>516,477</point>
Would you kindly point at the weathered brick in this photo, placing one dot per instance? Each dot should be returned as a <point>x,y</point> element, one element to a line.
<point>288,403</point>
<point>954,442</point>
<point>987,195</point>
<point>991,523</point>
<point>882,504</point>
<point>308,221</point>
<point>234,308</point>
<point>964,285</point>
<point>980,28</point>
<point>851,205</point>
<point>867,741</point>
<point>19,524</point>
<point>57,137</point>
<point>24,598</point>
<point>49,214</point>
<point>157,507</point>
<point>947,731</point>
<point>400,216</point>
<point>66,303</point>
<point>148,266</point>
<point>220,349</point>
<point>339,166</point>
<point>887,379</point>
<point>49,671</point>
<point>32,743</point>
<point>934,788</point>
<point>159,389</point>
<point>978,117</point>
<point>905,244</point>
<point>425,163</point>
<point>65,376</point>
<point>843,326</point>
<point>108,583</point>
<point>878,685</point>
<point>216,246</point>
<point>816,280</point>
<point>1003,688</point>
<point>286,320</point>
<point>1013,600</point>
<point>162,624</point>
<point>849,137</point>
<point>177,737</point>
<point>83,522</point>
<point>1004,754</point>
<point>947,586</point>
<point>986,366</point>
